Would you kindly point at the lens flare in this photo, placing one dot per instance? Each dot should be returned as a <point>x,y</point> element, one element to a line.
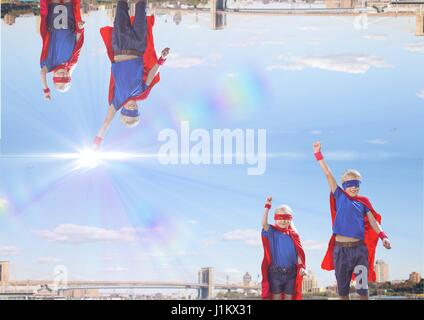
<point>3,207</point>
<point>89,158</point>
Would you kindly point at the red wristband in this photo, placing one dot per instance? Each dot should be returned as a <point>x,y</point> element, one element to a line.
<point>46,90</point>
<point>382,235</point>
<point>161,61</point>
<point>98,140</point>
<point>267,205</point>
<point>318,156</point>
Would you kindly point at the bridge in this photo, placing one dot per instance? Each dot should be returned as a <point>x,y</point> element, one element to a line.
<point>61,288</point>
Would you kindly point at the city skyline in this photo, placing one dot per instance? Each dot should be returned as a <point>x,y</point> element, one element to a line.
<point>212,216</point>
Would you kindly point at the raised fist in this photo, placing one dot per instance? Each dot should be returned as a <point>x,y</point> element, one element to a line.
<point>317,146</point>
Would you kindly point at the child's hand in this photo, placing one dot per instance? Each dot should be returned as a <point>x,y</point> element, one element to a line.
<point>165,53</point>
<point>47,96</point>
<point>96,143</point>
<point>81,24</point>
<point>269,200</point>
<point>386,243</point>
<point>317,147</point>
<point>302,272</point>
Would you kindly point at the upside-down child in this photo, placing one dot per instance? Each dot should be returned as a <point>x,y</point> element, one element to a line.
<point>283,265</point>
<point>61,30</point>
<point>135,66</point>
<point>356,229</point>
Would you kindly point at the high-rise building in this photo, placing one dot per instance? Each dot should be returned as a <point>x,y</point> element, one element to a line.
<point>309,282</point>
<point>4,273</point>
<point>414,277</point>
<point>381,271</point>
<point>419,22</point>
<point>247,278</point>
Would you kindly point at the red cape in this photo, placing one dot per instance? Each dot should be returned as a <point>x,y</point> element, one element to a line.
<point>149,59</point>
<point>45,35</point>
<point>267,260</point>
<point>370,238</point>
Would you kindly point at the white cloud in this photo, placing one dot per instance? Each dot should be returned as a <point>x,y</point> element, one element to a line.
<point>415,47</point>
<point>316,132</point>
<point>192,221</point>
<point>49,260</point>
<point>9,251</point>
<point>169,254</point>
<point>175,60</point>
<point>248,236</point>
<point>308,28</point>
<point>313,245</point>
<point>78,233</point>
<point>115,269</point>
<point>348,63</point>
<point>376,37</point>
<point>352,155</point>
<point>420,94</point>
<point>377,141</point>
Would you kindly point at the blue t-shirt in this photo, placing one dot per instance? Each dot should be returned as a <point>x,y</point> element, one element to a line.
<point>282,248</point>
<point>128,76</point>
<point>61,46</point>
<point>349,220</point>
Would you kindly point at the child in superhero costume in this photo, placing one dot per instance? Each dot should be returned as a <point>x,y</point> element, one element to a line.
<point>130,48</point>
<point>62,32</point>
<point>356,229</point>
<point>283,265</point>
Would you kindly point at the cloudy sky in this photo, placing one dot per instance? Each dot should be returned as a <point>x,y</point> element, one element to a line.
<point>359,90</point>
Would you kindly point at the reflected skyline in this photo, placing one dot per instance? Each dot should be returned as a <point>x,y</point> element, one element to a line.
<point>302,78</point>
<point>176,10</point>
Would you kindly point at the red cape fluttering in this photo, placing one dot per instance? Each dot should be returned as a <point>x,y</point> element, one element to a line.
<point>45,35</point>
<point>267,260</point>
<point>370,237</point>
<point>149,59</point>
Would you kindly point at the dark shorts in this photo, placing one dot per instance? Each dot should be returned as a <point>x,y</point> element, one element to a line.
<point>281,280</point>
<point>127,38</point>
<point>53,15</point>
<point>348,261</point>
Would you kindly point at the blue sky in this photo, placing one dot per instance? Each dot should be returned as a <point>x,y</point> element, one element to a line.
<point>301,78</point>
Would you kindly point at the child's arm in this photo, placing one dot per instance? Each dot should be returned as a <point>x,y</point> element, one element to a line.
<point>106,123</point>
<point>155,68</point>
<point>265,224</point>
<point>330,179</point>
<point>44,84</point>
<point>377,228</point>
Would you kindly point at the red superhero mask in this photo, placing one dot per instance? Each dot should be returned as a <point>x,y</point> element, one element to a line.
<point>61,79</point>
<point>285,216</point>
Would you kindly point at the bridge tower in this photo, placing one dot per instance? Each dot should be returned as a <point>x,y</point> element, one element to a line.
<point>206,278</point>
<point>419,24</point>
<point>4,273</point>
<point>219,4</point>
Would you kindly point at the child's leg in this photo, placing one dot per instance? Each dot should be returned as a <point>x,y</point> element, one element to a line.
<point>361,272</point>
<point>140,25</point>
<point>275,281</point>
<point>343,271</point>
<point>121,26</point>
